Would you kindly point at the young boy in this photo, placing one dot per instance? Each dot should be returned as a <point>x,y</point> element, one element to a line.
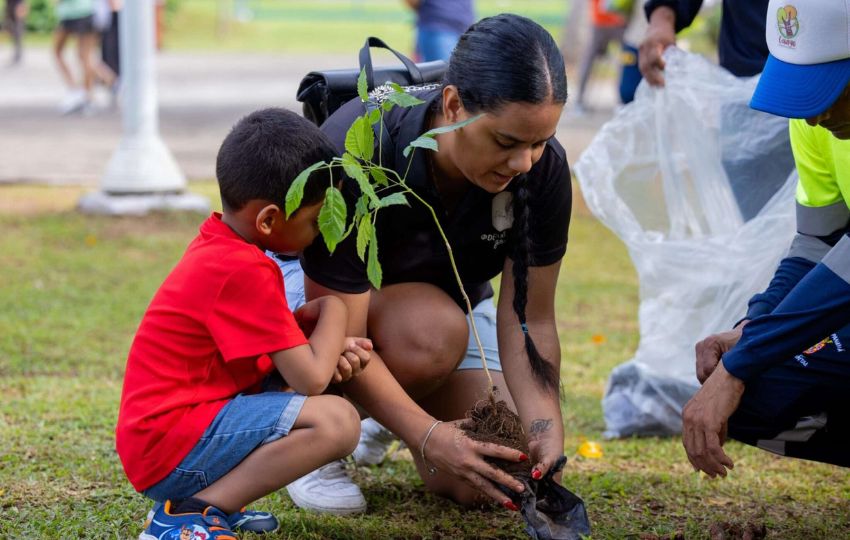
<point>195,429</point>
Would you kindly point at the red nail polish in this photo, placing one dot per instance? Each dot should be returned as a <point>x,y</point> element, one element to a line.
<point>536,474</point>
<point>510,506</point>
<point>523,457</point>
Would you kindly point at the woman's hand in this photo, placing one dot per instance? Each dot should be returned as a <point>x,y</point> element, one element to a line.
<point>353,359</point>
<point>452,452</point>
<point>546,445</point>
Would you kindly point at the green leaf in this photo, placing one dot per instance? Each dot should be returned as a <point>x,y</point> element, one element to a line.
<point>373,267</point>
<point>452,127</point>
<point>353,169</point>
<point>365,234</point>
<point>348,231</point>
<point>362,207</point>
<point>296,191</point>
<point>362,89</point>
<point>379,176</point>
<point>395,86</point>
<point>387,105</point>
<point>403,99</point>
<point>375,116</point>
<point>423,141</point>
<point>391,200</point>
<point>359,140</point>
<point>332,218</point>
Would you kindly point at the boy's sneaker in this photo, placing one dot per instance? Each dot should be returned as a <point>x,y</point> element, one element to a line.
<point>375,441</point>
<point>328,490</point>
<point>211,525</point>
<point>253,521</point>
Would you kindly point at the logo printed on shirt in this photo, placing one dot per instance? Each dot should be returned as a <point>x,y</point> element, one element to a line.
<point>818,346</point>
<point>496,239</point>
<point>789,26</point>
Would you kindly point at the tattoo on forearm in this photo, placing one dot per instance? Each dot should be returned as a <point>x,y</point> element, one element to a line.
<point>540,426</point>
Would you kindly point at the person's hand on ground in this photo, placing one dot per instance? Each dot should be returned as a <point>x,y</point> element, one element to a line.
<point>705,419</point>
<point>711,349</point>
<point>546,446</point>
<point>452,452</point>
<point>660,35</point>
<point>353,359</point>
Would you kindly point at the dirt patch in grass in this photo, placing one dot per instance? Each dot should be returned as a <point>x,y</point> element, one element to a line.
<point>25,200</point>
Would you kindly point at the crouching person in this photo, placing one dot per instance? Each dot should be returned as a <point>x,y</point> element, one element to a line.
<point>203,429</point>
<point>781,379</point>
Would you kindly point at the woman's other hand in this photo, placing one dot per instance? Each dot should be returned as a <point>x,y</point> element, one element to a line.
<point>450,451</point>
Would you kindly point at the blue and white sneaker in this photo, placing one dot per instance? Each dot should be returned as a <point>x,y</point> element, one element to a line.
<point>253,521</point>
<point>211,524</point>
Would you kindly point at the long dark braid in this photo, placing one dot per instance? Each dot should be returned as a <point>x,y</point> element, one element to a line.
<point>511,59</point>
<point>543,370</point>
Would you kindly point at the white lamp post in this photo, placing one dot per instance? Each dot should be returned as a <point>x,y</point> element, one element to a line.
<point>142,175</point>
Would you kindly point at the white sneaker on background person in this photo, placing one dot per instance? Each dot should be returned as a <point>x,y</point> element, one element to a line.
<point>74,100</point>
<point>328,490</point>
<point>375,441</point>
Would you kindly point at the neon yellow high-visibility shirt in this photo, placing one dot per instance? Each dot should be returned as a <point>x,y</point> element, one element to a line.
<point>823,163</point>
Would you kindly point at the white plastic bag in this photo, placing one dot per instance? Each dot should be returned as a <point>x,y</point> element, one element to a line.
<point>700,188</point>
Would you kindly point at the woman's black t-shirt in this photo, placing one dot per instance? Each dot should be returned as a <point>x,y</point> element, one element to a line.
<point>410,248</point>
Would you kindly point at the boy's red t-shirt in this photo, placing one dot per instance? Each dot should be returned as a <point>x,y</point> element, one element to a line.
<point>205,338</point>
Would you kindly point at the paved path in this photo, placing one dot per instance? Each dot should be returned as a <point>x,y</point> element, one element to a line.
<point>201,95</point>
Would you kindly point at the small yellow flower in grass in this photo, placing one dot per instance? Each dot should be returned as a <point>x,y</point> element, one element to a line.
<point>590,449</point>
<point>90,240</point>
<point>597,339</point>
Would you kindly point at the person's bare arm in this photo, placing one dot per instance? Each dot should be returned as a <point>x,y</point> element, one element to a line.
<point>660,34</point>
<point>705,420</point>
<point>308,368</point>
<point>538,406</point>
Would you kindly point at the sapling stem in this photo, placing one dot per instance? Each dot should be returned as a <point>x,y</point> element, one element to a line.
<point>399,181</point>
<point>462,290</point>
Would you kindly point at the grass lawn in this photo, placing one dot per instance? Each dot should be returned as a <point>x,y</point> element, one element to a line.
<point>73,288</point>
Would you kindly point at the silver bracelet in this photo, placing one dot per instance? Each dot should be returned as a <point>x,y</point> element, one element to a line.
<point>432,470</point>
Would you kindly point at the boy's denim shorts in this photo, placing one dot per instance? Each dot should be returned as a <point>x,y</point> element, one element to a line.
<point>243,425</point>
<point>484,313</point>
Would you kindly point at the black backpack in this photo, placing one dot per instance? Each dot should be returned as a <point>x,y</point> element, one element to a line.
<point>323,92</point>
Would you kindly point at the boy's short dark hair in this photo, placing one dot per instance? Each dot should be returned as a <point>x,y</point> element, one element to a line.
<point>263,154</point>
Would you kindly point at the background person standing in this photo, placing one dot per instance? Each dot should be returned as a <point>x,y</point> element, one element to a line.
<point>16,12</point>
<point>76,19</point>
<point>439,24</point>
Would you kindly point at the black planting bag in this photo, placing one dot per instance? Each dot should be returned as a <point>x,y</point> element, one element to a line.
<point>323,92</point>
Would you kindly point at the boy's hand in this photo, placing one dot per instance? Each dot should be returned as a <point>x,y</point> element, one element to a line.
<point>353,359</point>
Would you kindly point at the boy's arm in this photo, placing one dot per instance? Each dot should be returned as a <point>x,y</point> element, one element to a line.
<point>308,368</point>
